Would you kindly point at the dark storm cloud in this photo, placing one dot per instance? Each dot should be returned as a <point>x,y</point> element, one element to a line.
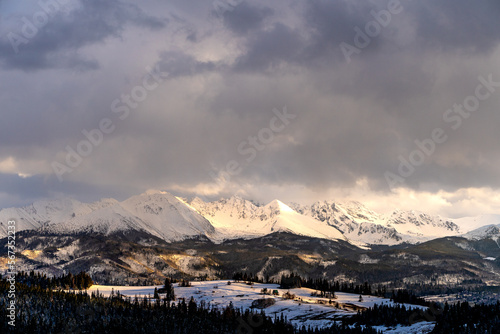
<point>331,23</point>
<point>245,17</point>
<point>268,49</point>
<point>23,190</point>
<point>227,72</point>
<point>445,25</point>
<point>52,44</point>
<point>458,25</point>
<point>326,24</point>
<point>390,74</point>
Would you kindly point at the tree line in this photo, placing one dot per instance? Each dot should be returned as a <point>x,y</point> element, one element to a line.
<point>80,281</point>
<point>45,310</point>
<point>464,318</point>
<point>42,307</point>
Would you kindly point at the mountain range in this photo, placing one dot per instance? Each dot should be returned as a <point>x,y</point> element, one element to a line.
<point>172,218</point>
<point>148,237</point>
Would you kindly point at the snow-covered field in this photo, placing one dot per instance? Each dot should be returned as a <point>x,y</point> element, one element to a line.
<point>304,309</point>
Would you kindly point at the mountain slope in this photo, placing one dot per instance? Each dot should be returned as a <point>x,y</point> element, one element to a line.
<point>170,218</point>
<point>354,220</point>
<point>360,224</point>
<point>486,232</point>
<point>156,235</point>
<point>157,213</point>
<point>421,226</point>
<point>48,213</point>
<point>239,218</point>
<point>142,259</point>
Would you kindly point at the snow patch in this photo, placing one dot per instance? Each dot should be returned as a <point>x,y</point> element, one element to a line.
<point>365,259</point>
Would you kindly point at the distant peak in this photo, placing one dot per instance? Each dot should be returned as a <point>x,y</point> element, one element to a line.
<point>282,207</point>
<point>236,198</point>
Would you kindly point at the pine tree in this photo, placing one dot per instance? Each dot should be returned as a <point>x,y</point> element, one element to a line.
<point>169,290</point>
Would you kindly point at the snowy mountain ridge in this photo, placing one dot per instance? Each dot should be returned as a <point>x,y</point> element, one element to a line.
<point>171,218</point>
<point>159,214</point>
<point>239,218</point>
<point>358,223</point>
<point>488,231</point>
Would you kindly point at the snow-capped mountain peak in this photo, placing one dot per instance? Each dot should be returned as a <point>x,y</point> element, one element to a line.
<point>238,217</point>
<point>421,226</point>
<point>277,205</point>
<point>171,218</point>
<point>485,232</point>
<point>358,223</point>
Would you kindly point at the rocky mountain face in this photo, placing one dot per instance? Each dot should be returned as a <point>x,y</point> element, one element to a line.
<point>362,225</point>
<point>238,218</point>
<point>136,258</point>
<point>491,232</point>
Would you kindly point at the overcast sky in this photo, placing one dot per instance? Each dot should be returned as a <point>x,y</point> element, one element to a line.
<point>296,100</point>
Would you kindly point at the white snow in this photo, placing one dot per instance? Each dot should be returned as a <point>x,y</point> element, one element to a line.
<point>488,231</point>
<point>421,226</point>
<point>302,310</point>
<point>168,216</point>
<point>418,328</point>
<point>158,213</point>
<point>365,259</point>
<point>364,226</point>
<point>173,218</point>
<point>237,217</point>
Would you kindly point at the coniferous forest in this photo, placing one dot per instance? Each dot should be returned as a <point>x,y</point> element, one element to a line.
<point>44,307</point>
<point>45,310</point>
<point>465,318</point>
